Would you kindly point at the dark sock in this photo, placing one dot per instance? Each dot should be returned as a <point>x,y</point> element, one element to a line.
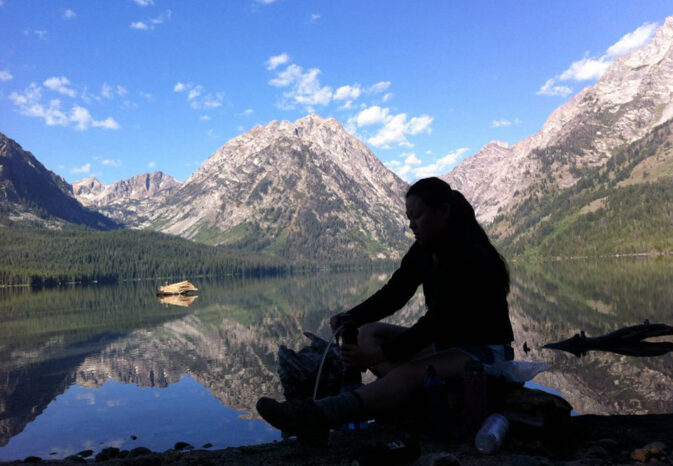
<point>342,408</point>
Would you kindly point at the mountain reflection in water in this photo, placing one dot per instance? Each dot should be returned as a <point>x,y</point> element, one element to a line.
<point>227,340</point>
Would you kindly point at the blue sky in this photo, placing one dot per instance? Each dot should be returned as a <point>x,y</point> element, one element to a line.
<point>113,89</point>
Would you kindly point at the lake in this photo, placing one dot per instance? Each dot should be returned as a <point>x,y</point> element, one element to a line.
<point>98,366</point>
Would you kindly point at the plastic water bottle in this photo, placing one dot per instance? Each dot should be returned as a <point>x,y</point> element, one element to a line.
<point>492,433</point>
<point>437,405</point>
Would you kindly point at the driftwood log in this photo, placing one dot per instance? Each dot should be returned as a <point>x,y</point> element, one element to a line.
<point>627,341</point>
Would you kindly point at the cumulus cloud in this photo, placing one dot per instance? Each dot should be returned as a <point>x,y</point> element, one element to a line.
<point>81,170</point>
<point>274,62</point>
<point>112,163</point>
<point>151,23</point>
<point>411,167</point>
<point>442,165</point>
<point>589,68</point>
<point>371,116</point>
<point>197,97</point>
<point>550,88</point>
<point>69,14</point>
<point>60,85</point>
<point>632,40</point>
<point>586,69</point>
<point>29,103</point>
<point>395,128</point>
<point>304,88</point>
<point>348,92</point>
<point>5,75</point>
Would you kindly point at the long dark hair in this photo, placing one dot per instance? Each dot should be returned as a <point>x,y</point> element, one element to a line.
<point>469,237</point>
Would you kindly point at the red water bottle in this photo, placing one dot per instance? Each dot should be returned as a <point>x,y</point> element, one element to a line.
<point>475,396</point>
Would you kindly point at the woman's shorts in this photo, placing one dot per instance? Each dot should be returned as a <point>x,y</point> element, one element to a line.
<point>487,354</point>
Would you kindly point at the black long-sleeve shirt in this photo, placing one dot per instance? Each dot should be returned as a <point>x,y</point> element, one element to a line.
<point>464,294</point>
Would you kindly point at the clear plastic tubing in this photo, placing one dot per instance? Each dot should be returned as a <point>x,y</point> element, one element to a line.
<point>492,433</point>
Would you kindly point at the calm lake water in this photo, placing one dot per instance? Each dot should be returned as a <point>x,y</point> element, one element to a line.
<point>91,367</point>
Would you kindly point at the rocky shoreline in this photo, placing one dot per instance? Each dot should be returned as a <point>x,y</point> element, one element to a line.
<point>583,440</point>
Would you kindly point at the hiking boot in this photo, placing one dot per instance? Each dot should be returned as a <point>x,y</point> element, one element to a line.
<point>302,418</point>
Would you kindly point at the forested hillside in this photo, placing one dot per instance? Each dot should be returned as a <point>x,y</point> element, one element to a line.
<point>42,257</point>
<point>623,207</point>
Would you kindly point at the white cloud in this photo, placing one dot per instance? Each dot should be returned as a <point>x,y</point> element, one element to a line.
<point>632,40</point>
<point>387,97</point>
<point>196,97</point>
<point>266,2</point>
<point>81,117</point>
<point>41,33</point>
<point>121,90</point>
<point>146,95</point>
<point>86,168</point>
<point>286,77</point>
<point>410,170</point>
<point>60,85</point>
<point>503,123</point>
<point>315,17</point>
<point>589,68</point>
<point>371,116</point>
<point>69,14</point>
<point>106,91</point>
<point>194,92</point>
<point>139,25</point>
<point>248,111</point>
<point>151,23</point>
<point>112,163</point>
<point>108,123</point>
<point>5,75</point>
<point>440,166</point>
<point>585,69</point>
<point>274,62</point>
<point>204,118</point>
<point>29,103</point>
<point>550,88</point>
<point>420,124</point>
<point>348,92</point>
<point>152,164</point>
<point>305,88</point>
<point>411,159</point>
<point>210,101</point>
<point>380,87</point>
<point>144,2</point>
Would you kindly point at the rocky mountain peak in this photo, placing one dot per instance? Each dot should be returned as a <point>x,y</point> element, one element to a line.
<point>633,97</point>
<point>283,181</point>
<point>31,192</point>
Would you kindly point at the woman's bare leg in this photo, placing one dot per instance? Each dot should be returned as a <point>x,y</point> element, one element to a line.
<point>372,336</point>
<point>402,380</point>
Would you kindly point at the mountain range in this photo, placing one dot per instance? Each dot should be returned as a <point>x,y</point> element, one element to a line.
<point>594,180</point>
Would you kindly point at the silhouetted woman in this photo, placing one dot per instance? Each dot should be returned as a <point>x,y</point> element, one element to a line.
<point>465,283</point>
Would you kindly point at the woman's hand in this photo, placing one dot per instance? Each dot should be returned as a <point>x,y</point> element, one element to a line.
<point>353,355</point>
<point>336,321</point>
